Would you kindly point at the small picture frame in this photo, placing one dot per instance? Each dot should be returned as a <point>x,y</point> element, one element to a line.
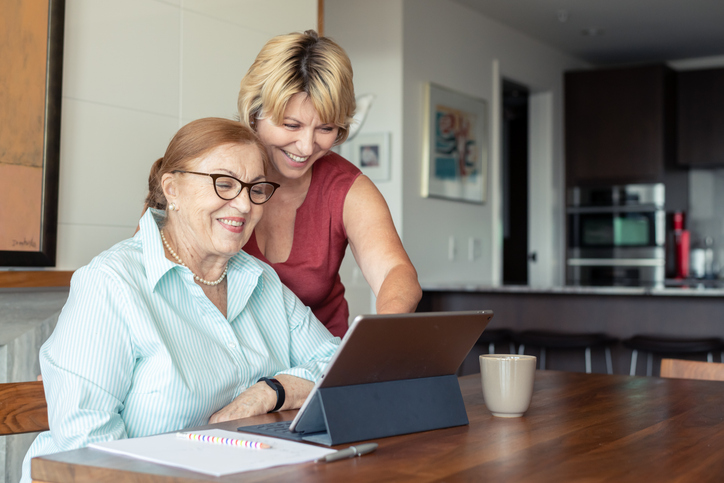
<point>370,153</point>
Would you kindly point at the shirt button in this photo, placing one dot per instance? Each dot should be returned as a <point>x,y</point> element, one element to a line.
<point>231,345</point>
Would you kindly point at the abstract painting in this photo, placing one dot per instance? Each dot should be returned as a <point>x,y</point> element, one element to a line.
<point>455,147</point>
<point>31,46</point>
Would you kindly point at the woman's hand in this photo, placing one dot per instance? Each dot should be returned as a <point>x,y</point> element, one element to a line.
<point>260,399</point>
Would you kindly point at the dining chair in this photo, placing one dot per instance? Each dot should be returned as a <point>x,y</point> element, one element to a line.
<point>22,408</point>
<point>671,346</point>
<point>684,369</point>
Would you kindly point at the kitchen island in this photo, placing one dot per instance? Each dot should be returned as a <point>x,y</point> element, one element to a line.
<point>618,311</point>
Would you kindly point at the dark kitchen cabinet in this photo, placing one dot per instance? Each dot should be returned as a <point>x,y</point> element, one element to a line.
<point>620,125</point>
<point>701,118</point>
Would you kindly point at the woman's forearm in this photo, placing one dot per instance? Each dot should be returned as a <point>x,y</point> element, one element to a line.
<point>260,399</point>
<point>400,291</point>
<point>296,390</point>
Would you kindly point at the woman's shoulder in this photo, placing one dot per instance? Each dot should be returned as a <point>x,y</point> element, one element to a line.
<point>123,259</point>
<point>332,177</point>
<point>123,251</point>
<point>332,165</point>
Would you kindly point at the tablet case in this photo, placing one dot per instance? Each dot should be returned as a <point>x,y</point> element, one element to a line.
<point>346,414</point>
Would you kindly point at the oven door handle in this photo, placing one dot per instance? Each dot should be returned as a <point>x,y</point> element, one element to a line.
<point>643,208</point>
<point>617,262</point>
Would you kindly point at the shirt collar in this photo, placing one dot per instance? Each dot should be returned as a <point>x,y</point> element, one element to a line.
<point>244,269</point>
<point>154,256</point>
<point>244,278</point>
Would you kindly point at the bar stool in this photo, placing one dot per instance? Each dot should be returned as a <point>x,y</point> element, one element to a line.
<point>665,345</point>
<point>485,345</point>
<point>497,336</point>
<point>548,339</point>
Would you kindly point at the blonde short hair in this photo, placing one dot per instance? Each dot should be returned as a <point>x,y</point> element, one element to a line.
<point>294,63</point>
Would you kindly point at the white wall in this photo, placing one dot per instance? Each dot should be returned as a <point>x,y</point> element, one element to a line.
<point>134,72</point>
<point>396,46</point>
<point>451,45</point>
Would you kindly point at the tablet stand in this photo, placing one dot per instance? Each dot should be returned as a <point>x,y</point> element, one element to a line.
<point>347,414</point>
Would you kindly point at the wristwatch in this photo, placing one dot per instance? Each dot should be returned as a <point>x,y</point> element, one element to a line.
<point>278,388</point>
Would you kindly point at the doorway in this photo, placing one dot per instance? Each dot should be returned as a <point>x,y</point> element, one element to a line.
<point>514,160</point>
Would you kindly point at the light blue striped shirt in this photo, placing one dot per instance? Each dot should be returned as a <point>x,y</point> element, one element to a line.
<point>140,350</point>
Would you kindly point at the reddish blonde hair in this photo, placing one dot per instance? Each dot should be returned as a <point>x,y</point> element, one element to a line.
<point>193,141</point>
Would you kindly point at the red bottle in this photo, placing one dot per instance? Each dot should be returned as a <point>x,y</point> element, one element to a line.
<point>682,246</point>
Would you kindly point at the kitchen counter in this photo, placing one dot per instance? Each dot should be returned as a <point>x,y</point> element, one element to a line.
<point>621,312</point>
<point>699,289</point>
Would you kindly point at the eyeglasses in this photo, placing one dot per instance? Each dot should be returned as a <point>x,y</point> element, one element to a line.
<point>227,187</point>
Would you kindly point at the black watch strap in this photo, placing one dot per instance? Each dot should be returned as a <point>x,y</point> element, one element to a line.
<point>278,388</point>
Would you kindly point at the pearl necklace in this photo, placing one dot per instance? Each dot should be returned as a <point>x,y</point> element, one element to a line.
<point>181,262</point>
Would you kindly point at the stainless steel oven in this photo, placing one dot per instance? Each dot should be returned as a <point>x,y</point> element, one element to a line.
<point>616,236</point>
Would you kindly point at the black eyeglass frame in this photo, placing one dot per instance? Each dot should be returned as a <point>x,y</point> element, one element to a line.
<point>215,176</point>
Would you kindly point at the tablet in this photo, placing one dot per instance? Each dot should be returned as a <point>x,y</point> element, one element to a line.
<point>380,348</point>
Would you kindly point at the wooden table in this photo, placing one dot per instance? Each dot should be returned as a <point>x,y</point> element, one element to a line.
<point>580,427</point>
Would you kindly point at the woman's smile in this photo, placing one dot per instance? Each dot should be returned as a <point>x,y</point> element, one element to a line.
<point>297,159</point>
<point>233,224</point>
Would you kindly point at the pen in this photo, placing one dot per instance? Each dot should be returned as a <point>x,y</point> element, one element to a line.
<point>239,443</point>
<point>348,453</point>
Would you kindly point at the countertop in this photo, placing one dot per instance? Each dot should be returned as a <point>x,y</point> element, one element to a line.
<point>22,309</point>
<point>693,290</point>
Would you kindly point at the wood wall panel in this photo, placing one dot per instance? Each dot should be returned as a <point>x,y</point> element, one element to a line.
<point>31,278</point>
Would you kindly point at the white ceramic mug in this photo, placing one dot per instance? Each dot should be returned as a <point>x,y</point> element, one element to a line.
<point>507,383</point>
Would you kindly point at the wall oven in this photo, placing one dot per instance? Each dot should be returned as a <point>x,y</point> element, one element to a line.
<point>616,236</point>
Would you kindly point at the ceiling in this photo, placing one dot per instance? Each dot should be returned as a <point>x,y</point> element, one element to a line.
<point>626,31</point>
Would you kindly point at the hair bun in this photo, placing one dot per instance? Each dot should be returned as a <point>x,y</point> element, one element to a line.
<point>312,33</point>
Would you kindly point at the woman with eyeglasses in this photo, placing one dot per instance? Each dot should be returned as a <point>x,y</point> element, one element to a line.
<point>299,98</point>
<point>165,330</point>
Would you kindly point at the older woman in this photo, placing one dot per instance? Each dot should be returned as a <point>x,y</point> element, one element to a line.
<point>178,327</point>
<point>298,96</point>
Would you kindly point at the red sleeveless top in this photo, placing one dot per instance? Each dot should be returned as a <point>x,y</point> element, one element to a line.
<point>320,241</point>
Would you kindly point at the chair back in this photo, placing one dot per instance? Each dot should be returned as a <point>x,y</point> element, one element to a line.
<point>22,408</point>
<point>682,369</point>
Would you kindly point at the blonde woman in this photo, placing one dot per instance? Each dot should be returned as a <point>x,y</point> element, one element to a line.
<point>299,98</point>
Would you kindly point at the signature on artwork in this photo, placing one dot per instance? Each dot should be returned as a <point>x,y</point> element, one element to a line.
<point>25,243</point>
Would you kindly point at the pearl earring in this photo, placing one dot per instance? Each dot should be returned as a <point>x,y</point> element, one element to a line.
<point>172,207</point>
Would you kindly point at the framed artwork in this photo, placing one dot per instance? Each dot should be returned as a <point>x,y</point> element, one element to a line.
<point>371,153</point>
<point>455,151</point>
<point>31,53</point>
